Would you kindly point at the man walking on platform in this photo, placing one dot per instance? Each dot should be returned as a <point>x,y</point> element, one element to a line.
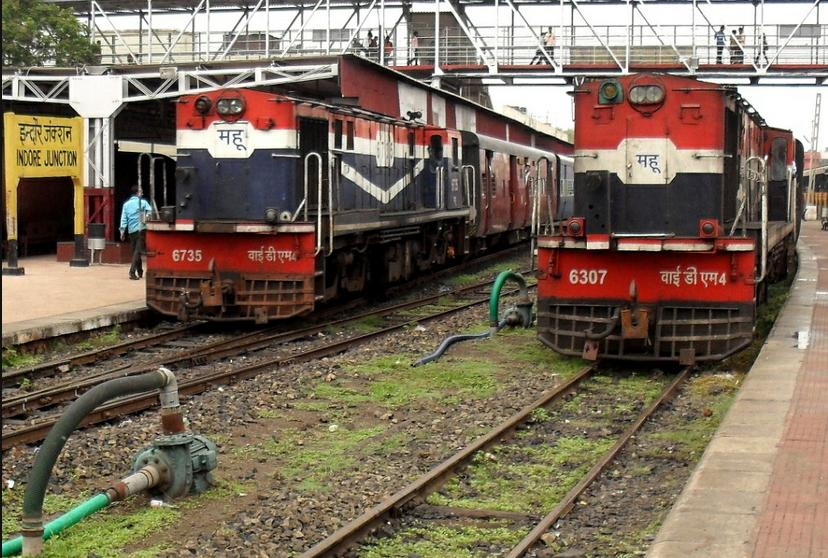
<point>133,221</point>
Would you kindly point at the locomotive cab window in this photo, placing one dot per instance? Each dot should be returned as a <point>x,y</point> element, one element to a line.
<point>337,134</point>
<point>778,159</point>
<point>455,152</point>
<point>350,137</point>
<point>411,143</point>
<point>436,148</point>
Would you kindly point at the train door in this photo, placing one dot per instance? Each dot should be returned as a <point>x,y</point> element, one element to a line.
<point>731,166</point>
<point>565,179</point>
<point>454,191</point>
<point>488,191</point>
<point>471,179</point>
<point>313,161</point>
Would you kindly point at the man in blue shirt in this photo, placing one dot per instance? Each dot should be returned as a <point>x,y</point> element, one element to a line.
<point>720,43</point>
<point>133,221</point>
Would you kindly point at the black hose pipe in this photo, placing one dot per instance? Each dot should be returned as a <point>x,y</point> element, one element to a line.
<point>32,527</point>
<point>449,341</point>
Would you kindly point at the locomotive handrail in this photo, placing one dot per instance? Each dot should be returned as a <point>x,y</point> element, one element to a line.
<point>440,187</point>
<point>331,175</point>
<point>152,180</point>
<point>467,171</point>
<point>761,177</point>
<point>318,197</point>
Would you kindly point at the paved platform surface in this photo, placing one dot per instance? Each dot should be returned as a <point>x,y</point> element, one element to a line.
<point>761,487</point>
<point>54,299</point>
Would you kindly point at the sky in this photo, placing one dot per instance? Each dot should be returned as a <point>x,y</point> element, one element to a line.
<point>784,107</point>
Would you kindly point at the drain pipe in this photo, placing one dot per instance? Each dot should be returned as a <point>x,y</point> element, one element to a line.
<point>32,525</point>
<point>148,477</point>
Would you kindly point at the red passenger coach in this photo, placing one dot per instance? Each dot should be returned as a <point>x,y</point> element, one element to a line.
<point>685,207</point>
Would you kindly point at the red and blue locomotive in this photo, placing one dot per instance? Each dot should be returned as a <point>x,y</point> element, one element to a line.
<point>285,201</point>
<point>685,207</point>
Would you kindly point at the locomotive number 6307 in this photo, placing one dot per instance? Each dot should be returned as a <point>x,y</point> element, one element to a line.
<point>587,276</point>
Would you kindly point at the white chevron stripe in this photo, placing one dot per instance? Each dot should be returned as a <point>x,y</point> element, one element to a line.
<point>383,196</point>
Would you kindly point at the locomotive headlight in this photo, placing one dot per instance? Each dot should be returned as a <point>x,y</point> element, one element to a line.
<point>203,104</point>
<point>655,94</point>
<point>230,106</point>
<point>646,94</point>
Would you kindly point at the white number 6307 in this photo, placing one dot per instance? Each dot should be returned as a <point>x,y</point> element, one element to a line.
<point>186,255</point>
<point>587,276</point>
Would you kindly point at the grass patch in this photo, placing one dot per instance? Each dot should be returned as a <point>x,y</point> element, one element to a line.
<point>396,383</point>
<point>105,536</point>
<point>269,413</point>
<point>109,337</point>
<point>710,397</point>
<point>442,542</point>
<point>12,358</point>
<point>523,478</point>
<point>368,324</point>
<point>765,317</point>
<point>221,490</point>
<point>312,457</point>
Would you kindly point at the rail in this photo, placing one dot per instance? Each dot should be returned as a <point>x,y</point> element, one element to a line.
<point>35,432</point>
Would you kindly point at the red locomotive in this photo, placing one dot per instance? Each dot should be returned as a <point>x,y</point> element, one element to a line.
<point>284,201</point>
<point>685,207</point>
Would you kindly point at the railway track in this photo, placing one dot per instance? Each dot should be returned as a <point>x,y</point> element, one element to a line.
<point>411,501</point>
<point>18,377</point>
<point>15,377</point>
<point>35,431</point>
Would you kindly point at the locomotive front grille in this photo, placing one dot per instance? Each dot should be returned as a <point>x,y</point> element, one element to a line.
<point>712,332</point>
<point>249,297</point>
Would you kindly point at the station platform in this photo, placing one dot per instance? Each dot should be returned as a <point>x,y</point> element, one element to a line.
<point>761,487</point>
<point>54,299</point>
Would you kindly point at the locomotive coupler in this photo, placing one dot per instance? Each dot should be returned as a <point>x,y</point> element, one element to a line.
<point>635,323</point>
<point>186,306</point>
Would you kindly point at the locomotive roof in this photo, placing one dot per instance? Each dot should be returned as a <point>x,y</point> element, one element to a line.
<point>325,89</point>
<point>730,91</point>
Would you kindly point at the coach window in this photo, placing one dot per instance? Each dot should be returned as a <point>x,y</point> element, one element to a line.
<point>350,139</point>
<point>337,134</point>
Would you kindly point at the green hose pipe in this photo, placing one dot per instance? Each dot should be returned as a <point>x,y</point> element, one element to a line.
<point>32,524</point>
<point>54,527</point>
<point>494,300</point>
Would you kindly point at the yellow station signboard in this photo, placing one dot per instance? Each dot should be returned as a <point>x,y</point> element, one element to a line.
<point>37,147</point>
